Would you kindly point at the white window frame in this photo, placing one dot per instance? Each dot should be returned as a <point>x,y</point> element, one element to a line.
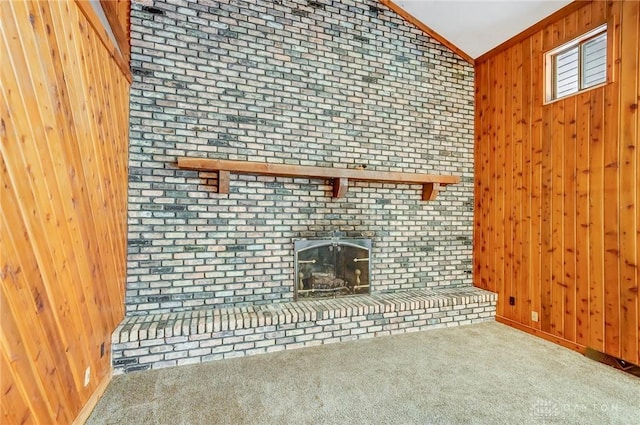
<point>550,69</point>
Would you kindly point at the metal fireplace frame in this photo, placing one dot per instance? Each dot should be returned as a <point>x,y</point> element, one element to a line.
<point>301,245</point>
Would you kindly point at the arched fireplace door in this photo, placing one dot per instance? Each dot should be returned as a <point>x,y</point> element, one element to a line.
<point>330,268</point>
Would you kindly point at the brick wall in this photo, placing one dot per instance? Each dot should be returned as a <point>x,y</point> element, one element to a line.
<point>326,83</point>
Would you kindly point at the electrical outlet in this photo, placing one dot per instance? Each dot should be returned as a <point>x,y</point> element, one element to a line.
<point>87,376</point>
<point>512,300</point>
<point>102,350</point>
<point>534,316</point>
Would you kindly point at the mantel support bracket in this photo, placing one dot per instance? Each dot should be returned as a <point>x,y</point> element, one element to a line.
<point>340,187</point>
<point>430,191</point>
<point>224,177</point>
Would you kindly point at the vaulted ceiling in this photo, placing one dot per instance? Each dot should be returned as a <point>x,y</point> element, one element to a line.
<point>477,26</point>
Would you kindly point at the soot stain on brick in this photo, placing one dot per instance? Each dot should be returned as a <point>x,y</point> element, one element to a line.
<point>137,368</point>
<point>233,92</point>
<point>228,33</point>
<point>374,11</point>
<point>195,248</point>
<point>300,12</point>
<point>142,72</point>
<point>125,361</point>
<point>218,142</point>
<point>182,297</point>
<point>248,63</point>
<point>228,136</point>
<point>153,10</point>
<point>244,120</point>
<point>140,171</point>
<point>176,84</point>
<point>159,298</point>
<point>236,248</point>
<point>139,242</point>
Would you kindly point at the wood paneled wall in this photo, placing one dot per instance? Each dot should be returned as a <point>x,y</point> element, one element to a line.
<point>557,217</point>
<point>64,133</point>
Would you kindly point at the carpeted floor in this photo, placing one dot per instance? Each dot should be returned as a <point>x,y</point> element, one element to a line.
<point>476,374</point>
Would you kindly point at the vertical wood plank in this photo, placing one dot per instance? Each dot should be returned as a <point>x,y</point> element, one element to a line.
<point>612,214</point>
<point>596,222</point>
<point>548,152</point>
<point>480,180</point>
<point>582,220</point>
<point>508,195</point>
<point>537,79</point>
<point>517,278</point>
<point>557,287</point>
<point>494,177</point>
<point>569,221</point>
<point>525,174</point>
<point>637,262</point>
<point>557,205</point>
<point>498,265</point>
<point>629,209</point>
<point>582,279</point>
<point>569,207</point>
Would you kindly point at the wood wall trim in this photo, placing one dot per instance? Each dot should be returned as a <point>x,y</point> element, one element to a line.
<point>541,334</point>
<point>93,400</point>
<point>118,15</point>
<point>426,29</point>
<point>567,10</point>
<point>92,17</point>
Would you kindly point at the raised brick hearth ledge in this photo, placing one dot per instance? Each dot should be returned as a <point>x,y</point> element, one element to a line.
<point>171,339</point>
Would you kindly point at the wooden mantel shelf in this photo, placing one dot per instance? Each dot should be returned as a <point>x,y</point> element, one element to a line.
<point>431,184</point>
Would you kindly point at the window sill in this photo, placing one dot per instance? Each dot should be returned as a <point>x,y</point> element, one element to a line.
<point>549,102</point>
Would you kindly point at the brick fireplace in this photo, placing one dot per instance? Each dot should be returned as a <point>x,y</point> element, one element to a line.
<point>338,84</point>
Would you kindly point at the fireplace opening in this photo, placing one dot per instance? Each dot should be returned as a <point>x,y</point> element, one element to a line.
<point>329,268</point>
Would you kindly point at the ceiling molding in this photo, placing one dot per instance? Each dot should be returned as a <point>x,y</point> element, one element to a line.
<point>539,26</point>
<point>427,30</point>
<point>90,14</point>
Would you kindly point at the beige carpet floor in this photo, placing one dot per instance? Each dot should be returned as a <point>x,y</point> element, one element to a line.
<point>477,374</point>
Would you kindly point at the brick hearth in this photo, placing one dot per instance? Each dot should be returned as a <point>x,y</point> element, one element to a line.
<point>172,339</point>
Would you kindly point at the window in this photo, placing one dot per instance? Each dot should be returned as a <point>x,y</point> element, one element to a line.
<point>577,65</point>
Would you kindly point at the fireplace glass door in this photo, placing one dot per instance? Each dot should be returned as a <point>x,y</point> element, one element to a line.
<point>331,268</point>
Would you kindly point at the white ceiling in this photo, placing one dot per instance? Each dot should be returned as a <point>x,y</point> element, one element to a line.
<point>477,26</point>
